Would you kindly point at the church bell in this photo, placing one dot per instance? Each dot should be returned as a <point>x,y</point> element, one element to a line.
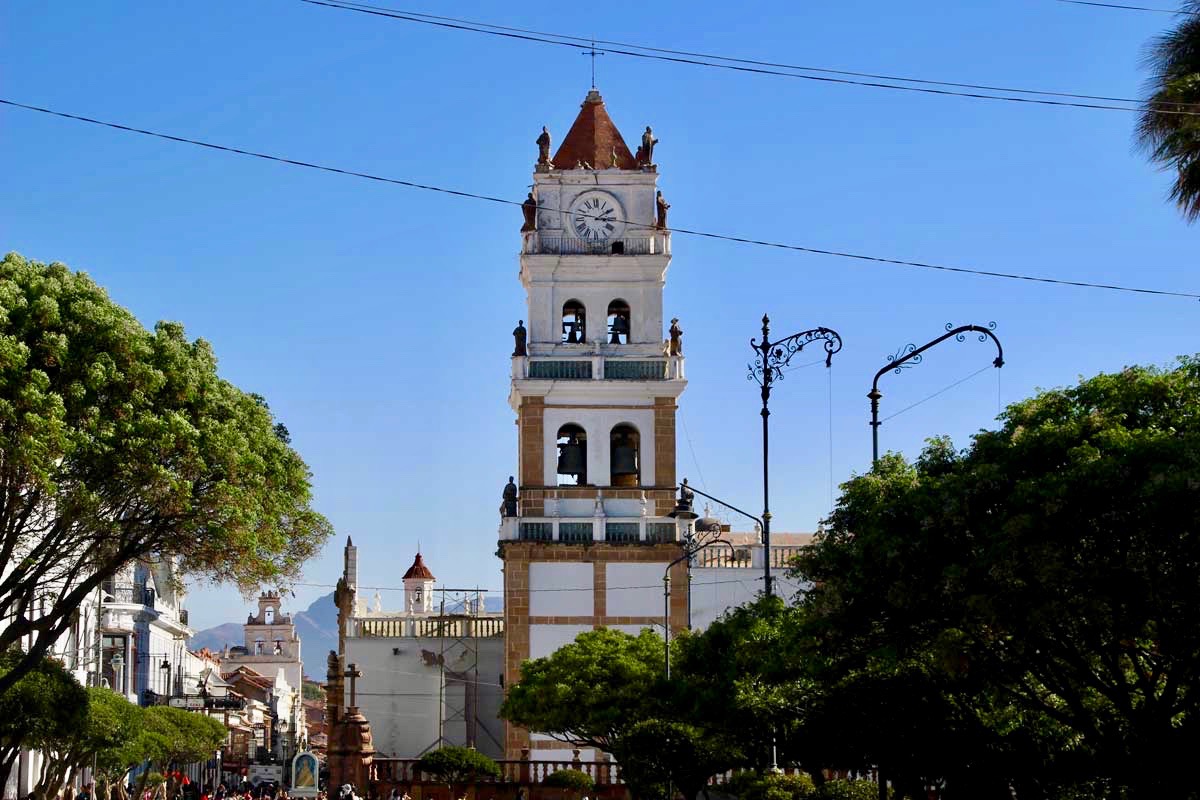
<point>571,458</point>
<point>624,459</point>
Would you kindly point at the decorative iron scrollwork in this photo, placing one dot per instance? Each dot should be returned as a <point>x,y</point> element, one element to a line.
<point>962,335</point>
<point>903,363</point>
<point>771,357</point>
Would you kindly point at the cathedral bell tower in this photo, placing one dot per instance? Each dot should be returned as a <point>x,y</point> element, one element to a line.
<point>585,534</point>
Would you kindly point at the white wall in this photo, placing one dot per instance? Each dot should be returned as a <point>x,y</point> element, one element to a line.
<point>635,590</point>
<point>399,693</point>
<point>560,589</point>
<point>716,590</point>
<point>545,639</point>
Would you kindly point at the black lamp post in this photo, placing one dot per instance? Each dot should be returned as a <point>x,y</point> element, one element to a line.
<point>911,357</point>
<point>165,668</point>
<point>709,530</point>
<point>769,361</point>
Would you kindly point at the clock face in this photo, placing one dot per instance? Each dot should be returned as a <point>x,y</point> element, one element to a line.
<point>595,216</point>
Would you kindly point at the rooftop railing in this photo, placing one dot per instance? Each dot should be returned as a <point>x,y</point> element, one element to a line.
<point>542,244</point>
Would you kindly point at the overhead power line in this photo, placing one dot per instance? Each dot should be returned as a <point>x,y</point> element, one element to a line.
<point>1127,8</point>
<point>684,231</point>
<point>1099,102</point>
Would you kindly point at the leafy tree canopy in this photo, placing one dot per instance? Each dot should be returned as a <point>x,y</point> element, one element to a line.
<point>1173,139</point>
<point>182,737</point>
<point>1052,569</point>
<point>454,765</point>
<point>41,708</point>
<point>574,779</point>
<point>592,691</point>
<point>120,443</point>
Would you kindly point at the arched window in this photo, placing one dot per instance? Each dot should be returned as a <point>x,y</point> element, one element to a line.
<point>618,322</point>
<point>572,456</point>
<point>258,647</point>
<point>574,322</point>
<point>625,463</point>
<point>269,615</point>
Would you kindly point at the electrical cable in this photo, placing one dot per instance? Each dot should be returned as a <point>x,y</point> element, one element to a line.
<point>683,231</point>
<point>695,461</point>
<point>501,593</point>
<point>943,390</point>
<point>1127,8</point>
<point>764,68</point>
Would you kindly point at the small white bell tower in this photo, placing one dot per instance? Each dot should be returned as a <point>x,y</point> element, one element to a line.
<point>418,588</point>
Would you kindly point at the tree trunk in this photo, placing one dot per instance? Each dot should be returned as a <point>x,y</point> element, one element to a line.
<point>8,757</point>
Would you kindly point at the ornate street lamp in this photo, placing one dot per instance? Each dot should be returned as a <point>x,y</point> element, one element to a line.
<point>704,533</point>
<point>769,361</point>
<point>165,669</point>
<point>118,665</point>
<point>910,356</point>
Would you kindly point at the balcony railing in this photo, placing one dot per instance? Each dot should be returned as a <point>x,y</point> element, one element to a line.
<point>457,626</point>
<point>561,370</point>
<point>130,594</point>
<point>571,246</point>
<point>567,530</point>
<point>624,369</point>
<point>587,367</point>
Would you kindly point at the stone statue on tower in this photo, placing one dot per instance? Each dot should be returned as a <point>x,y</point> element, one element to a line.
<point>543,143</point>
<point>529,209</point>
<point>648,142</point>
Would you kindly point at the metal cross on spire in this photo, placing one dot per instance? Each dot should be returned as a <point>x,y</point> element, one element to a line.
<point>593,52</point>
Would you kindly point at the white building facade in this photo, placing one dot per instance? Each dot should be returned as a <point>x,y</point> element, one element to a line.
<point>431,671</point>
<point>144,634</point>
<point>270,643</point>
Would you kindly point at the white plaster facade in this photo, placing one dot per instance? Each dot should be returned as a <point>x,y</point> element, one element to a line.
<point>270,643</point>
<point>428,677</point>
<point>144,633</point>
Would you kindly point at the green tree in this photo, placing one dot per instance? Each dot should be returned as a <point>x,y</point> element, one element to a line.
<point>1050,572</point>
<point>102,737</point>
<point>574,780</point>
<point>607,690</point>
<point>1173,139</point>
<point>113,737</point>
<point>591,692</point>
<point>174,737</point>
<point>742,678</point>
<point>656,750</point>
<point>44,706</point>
<point>457,766</point>
<point>120,443</point>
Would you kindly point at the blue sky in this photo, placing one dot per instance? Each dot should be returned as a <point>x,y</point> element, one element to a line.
<point>376,319</point>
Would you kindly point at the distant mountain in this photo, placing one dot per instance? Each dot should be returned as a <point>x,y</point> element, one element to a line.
<point>216,638</point>
<point>318,631</point>
<point>316,626</point>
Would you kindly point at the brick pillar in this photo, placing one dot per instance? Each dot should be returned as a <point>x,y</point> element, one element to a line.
<point>516,632</point>
<point>664,441</point>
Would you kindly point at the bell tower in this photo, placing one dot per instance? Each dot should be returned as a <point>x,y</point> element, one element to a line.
<point>585,534</point>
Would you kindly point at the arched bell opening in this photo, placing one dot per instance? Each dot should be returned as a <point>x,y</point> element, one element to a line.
<point>618,322</point>
<point>574,322</point>
<point>572,456</point>
<point>625,463</point>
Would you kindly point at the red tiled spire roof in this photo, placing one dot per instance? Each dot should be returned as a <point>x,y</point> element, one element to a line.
<point>592,139</point>
<point>419,570</point>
